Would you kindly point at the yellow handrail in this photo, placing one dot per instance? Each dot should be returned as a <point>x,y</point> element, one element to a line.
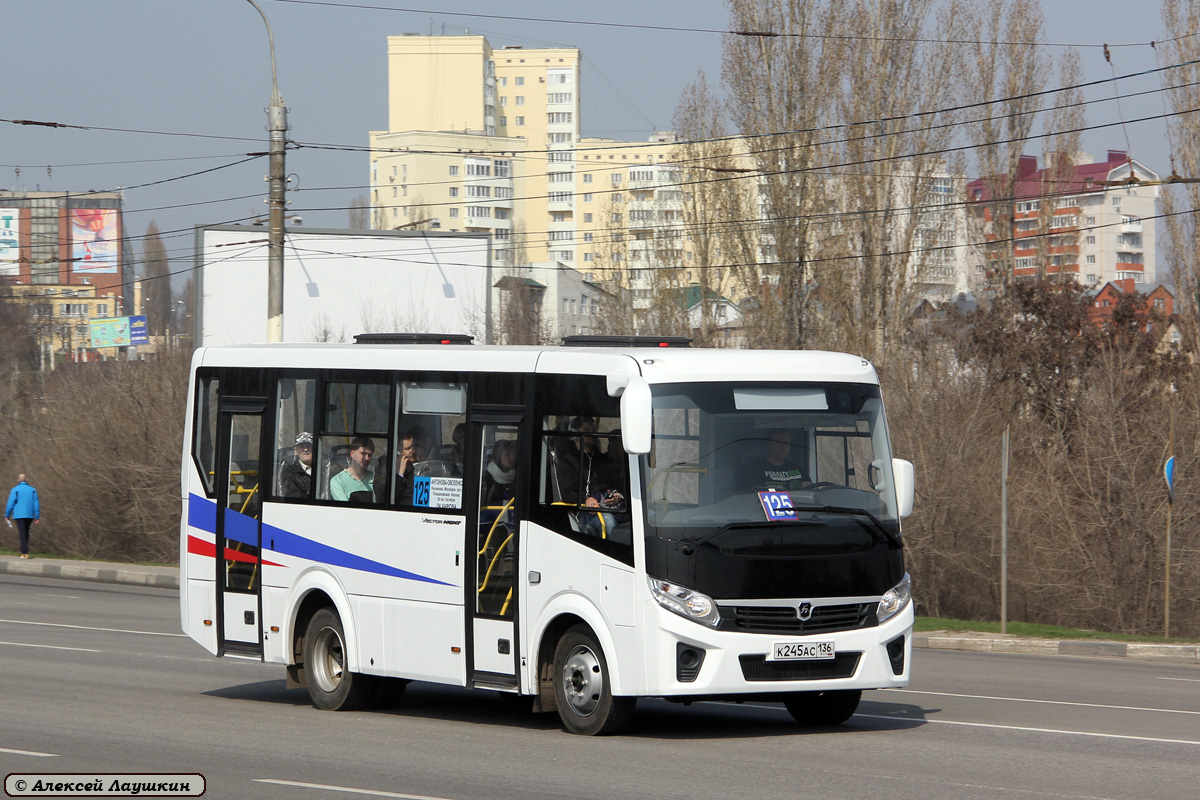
<point>499,552</point>
<point>495,522</point>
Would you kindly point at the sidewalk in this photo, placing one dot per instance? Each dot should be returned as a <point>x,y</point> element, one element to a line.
<point>1007,643</point>
<point>99,571</point>
<point>168,578</point>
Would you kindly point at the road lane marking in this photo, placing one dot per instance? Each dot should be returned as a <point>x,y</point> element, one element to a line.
<point>66,596</point>
<point>1188,680</point>
<point>28,753</point>
<point>1050,702</point>
<point>347,789</point>
<point>53,647</point>
<point>89,628</point>
<point>1031,730</point>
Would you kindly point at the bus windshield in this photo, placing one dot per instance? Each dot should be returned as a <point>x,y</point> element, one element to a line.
<point>804,461</point>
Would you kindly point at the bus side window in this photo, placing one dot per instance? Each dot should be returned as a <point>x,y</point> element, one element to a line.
<point>582,488</point>
<point>295,445</point>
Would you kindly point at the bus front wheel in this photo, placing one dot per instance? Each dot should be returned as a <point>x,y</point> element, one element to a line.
<point>823,708</point>
<point>331,685</point>
<point>583,687</point>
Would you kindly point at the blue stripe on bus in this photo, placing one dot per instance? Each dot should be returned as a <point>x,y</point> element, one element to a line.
<point>202,514</point>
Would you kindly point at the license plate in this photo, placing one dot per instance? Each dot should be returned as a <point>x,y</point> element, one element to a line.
<point>802,651</point>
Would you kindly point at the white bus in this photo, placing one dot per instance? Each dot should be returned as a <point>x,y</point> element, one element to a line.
<point>583,525</point>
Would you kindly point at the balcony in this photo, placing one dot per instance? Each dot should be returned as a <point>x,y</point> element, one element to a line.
<point>1129,225</point>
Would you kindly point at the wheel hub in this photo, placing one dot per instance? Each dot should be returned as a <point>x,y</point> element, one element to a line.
<point>583,680</point>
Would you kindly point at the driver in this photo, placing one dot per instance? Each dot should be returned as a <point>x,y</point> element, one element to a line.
<point>777,471</point>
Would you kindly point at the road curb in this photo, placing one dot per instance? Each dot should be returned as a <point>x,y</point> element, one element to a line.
<point>128,574</point>
<point>1001,643</point>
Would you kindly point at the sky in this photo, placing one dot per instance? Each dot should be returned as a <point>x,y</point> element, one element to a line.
<point>183,86</point>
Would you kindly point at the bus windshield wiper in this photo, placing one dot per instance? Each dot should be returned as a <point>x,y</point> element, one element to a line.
<point>862,512</point>
<point>752,526</point>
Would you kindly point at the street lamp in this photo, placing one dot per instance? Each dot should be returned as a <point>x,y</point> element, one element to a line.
<point>277,126</point>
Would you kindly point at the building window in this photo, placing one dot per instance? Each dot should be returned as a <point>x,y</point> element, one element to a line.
<point>559,97</point>
<point>1116,202</point>
<point>454,191</point>
<point>1090,220</point>
<point>520,100</point>
<point>1090,240</point>
<point>503,101</point>
<point>454,213</point>
<point>453,171</point>
<point>503,192</point>
<point>520,120</point>
<point>587,198</point>
<point>480,168</point>
<point>560,197</point>
<point>503,81</point>
<point>587,237</point>
<point>560,117</point>
<point>503,168</point>
<point>1090,260</point>
<point>587,217</point>
<point>587,256</point>
<point>479,212</point>
<point>616,179</point>
<point>504,120</point>
<point>519,80</point>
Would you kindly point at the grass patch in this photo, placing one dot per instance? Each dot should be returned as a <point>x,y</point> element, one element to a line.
<point>1034,630</point>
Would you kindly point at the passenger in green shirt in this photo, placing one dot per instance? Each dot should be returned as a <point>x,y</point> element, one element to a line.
<point>357,477</point>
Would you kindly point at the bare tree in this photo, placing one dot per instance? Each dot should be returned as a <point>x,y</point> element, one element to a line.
<point>1180,247</point>
<point>782,73</point>
<point>156,280</point>
<point>359,213</point>
<point>1001,77</point>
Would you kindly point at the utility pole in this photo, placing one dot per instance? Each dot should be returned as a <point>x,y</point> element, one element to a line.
<point>277,127</point>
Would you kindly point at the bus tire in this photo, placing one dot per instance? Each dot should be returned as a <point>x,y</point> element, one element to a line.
<point>823,708</point>
<point>331,685</point>
<point>583,687</point>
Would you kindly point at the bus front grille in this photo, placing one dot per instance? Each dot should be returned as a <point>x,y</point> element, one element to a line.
<point>785,620</point>
<point>757,668</point>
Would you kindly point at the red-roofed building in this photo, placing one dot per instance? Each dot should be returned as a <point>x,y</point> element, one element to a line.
<point>1081,218</point>
<point>1158,310</point>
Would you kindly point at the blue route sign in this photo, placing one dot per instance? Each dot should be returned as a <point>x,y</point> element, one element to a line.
<point>1169,474</point>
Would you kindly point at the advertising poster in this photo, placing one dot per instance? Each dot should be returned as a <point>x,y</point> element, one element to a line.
<point>10,241</point>
<point>113,332</point>
<point>95,239</point>
<point>138,334</point>
<point>118,331</point>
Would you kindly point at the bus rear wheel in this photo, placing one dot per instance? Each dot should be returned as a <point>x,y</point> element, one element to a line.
<point>582,687</point>
<point>823,708</point>
<point>331,685</point>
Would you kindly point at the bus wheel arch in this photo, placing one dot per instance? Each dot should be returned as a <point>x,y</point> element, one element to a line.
<point>583,685</point>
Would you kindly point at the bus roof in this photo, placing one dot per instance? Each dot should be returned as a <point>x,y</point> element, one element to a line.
<point>657,365</point>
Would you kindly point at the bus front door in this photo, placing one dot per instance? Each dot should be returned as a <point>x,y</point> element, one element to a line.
<point>240,470</point>
<point>497,513</point>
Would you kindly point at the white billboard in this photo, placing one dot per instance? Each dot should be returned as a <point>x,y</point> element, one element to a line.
<point>10,241</point>
<point>338,283</point>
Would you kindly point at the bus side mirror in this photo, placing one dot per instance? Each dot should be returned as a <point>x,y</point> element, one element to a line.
<point>636,416</point>
<point>902,474</point>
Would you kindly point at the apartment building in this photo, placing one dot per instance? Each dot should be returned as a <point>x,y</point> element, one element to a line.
<point>1092,220</point>
<point>484,139</point>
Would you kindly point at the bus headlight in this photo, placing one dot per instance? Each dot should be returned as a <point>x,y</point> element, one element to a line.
<point>895,599</point>
<point>685,602</point>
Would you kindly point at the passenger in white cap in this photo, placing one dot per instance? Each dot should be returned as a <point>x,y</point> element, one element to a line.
<point>295,479</point>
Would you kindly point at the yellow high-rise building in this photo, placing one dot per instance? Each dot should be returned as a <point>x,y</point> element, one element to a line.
<point>488,140</point>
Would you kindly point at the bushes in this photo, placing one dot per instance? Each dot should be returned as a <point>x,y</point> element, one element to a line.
<point>102,444</point>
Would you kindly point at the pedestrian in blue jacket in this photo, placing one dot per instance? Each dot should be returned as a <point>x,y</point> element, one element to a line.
<point>24,508</point>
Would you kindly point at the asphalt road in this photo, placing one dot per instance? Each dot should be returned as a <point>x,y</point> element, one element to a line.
<point>96,678</point>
